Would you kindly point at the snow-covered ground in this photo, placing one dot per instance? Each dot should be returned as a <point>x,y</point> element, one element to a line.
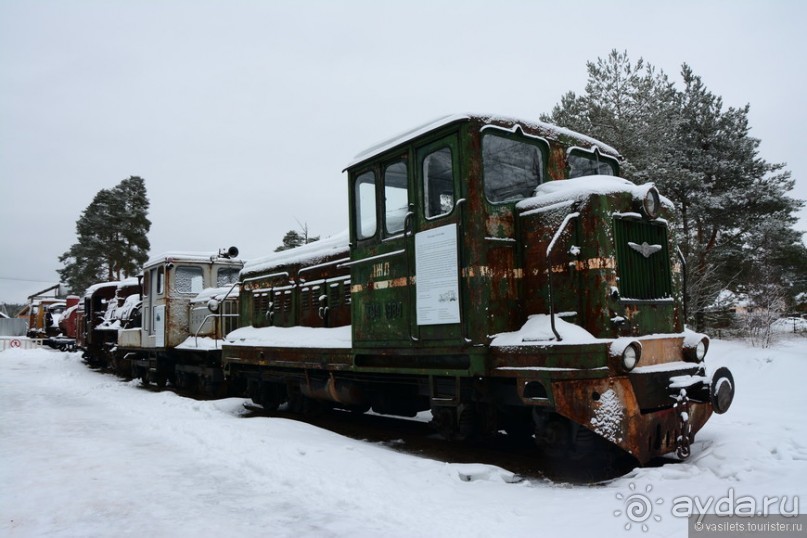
<point>84,454</point>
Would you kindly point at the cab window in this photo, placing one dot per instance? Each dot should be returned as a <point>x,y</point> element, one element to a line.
<point>189,279</point>
<point>227,276</point>
<point>158,280</point>
<point>396,199</point>
<point>365,216</point>
<point>438,183</point>
<point>511,168</point>
<point>589,163</point>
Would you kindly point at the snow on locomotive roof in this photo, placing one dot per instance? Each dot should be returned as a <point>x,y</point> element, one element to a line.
<point>179,256</point>
<point>535,127</point>
<point>305,254</point>
<point>572,190</point>
<point>132,281</point>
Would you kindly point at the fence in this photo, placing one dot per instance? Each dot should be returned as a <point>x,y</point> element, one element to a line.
<point>21,342</point>
<point>13,327</point>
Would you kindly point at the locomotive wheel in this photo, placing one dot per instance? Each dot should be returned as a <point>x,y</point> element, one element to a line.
<point>455,423</point>
<point>303,405</point>
<point>519,431</point>
<point>466,424</point>
<point>210,388</point>
<point>517,424</point>
<point>443,421</point>
<point>205,385</point>
<point>268,395</point>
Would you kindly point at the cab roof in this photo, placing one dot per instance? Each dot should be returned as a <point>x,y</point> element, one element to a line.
<point>533,128</point>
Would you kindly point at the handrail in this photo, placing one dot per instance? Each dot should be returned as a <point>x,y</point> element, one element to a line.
<point>372,258</point>
<point>207,317</point>
<point>238,283</point>
<point>260,277</point>
<point>549,249</point>
<point>684,282</point>
<point>321,265</point>
<point>460,204</point>
<point>408,232</point>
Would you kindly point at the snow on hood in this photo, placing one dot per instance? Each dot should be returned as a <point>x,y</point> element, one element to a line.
<point>130,303</point>
<point>308,337</point>
<point>538,331</point>
<point>304,254</point>
<point>580,188</point>
<point>217,293</point>
<point>204,343</point>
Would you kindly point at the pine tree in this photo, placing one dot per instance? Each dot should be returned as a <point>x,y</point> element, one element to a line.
<point>294,239</point>
<point>699,154</point>
<point>112,237</point>
<point>728,196</point>
<point>630,106</point>
<point>134,243</point>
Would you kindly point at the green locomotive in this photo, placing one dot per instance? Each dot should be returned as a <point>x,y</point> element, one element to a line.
<point>499,273</point>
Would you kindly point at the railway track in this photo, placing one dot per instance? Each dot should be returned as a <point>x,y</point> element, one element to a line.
<point>417,437</point>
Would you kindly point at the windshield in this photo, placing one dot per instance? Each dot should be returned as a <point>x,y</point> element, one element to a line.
<point>589,163</point>
<point>512,168</point>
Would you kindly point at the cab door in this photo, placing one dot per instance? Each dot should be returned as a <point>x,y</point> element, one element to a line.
<point>381,275</point>
<point>436,309</point>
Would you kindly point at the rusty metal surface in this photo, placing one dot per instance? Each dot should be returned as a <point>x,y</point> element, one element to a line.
<point>609,408</point>
<point>661,350</point>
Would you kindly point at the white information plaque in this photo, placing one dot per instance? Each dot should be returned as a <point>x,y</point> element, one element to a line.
<point>437,281</point>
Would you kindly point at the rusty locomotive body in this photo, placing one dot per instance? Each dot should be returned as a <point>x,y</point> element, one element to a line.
<point>498,273</point>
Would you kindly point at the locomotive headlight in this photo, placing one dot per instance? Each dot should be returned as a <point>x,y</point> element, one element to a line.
<point>624,355</point>
<point>651,203</point>
<point>696,351</point>
<point>701,349</point>
<point>213,305</point>
<point>630,357</point>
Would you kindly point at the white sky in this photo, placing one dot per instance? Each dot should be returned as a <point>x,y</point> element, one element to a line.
<point>241,115</point>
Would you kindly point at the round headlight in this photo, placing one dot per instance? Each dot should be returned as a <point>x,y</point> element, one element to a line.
<point>651,202</point>
<point>213,305</point>
<point>696,351</point>
<point>630,357</point>
<point>701,349</point>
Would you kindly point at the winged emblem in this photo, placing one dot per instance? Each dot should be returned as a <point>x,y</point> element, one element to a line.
<point>644,249</point>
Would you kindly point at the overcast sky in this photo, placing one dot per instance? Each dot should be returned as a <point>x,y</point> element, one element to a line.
<point>241,115</point>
